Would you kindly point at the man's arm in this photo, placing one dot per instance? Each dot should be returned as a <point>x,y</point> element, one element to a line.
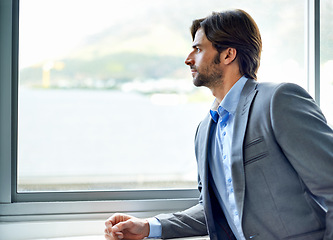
<point>305,138</point>
<point>190,222</point>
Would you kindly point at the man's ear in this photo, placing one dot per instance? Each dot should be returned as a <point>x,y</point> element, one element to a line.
<point>229,55</point>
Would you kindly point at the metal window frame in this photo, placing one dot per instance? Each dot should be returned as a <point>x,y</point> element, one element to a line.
<point>312,48</point>
<point>6,96</point>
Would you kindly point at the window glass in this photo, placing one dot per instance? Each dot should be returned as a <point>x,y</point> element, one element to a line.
<point>105,99</point>
<point>326,59</point>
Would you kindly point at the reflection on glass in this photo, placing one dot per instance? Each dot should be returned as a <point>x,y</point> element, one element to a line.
<point>105,99</point>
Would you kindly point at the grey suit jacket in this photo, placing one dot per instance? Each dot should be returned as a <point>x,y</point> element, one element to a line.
<point>282,166</point>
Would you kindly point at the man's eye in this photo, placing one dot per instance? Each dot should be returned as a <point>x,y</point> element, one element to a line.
<point>198,49</point>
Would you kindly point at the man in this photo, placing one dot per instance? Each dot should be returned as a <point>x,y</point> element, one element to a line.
<point>264,152</point>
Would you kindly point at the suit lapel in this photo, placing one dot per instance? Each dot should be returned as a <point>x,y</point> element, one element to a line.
<point>241,119</point>
<point>204,135</point>
<point>204,172</point>
<point>218,226</point>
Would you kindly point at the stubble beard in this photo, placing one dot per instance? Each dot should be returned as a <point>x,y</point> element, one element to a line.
<point>212,76</point>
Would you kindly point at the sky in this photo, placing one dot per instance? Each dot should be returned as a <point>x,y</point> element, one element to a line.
<point>50,28</point>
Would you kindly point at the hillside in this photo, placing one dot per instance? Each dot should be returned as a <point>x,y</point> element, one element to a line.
<point>152,41</point>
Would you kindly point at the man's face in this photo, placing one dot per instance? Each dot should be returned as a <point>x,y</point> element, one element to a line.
<point>205,71</point>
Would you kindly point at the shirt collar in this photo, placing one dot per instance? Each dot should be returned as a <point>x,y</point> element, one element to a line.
<point>230,101</point>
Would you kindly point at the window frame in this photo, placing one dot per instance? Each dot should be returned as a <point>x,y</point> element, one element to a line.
<point>16,207</point>
<point>312,48</point>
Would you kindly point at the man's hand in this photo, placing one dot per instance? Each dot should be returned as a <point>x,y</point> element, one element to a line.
<point>122,226</point>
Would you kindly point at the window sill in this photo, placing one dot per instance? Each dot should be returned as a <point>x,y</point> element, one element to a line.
<point>45,220</point>
<point>65,230</point>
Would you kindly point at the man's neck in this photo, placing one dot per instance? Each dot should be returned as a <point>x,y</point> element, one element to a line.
<point>221,90</point>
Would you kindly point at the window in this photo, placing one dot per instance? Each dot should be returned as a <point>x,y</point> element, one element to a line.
<point>105,100</point>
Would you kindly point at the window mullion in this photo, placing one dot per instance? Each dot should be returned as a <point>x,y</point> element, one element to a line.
<point>312,51</point>
<point>6,104</point>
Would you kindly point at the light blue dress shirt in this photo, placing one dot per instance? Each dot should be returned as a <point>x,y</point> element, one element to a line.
<point>219,159</point>
<point>155,228</point>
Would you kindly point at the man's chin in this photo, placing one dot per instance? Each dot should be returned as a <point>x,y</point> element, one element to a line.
<point>198,83</point>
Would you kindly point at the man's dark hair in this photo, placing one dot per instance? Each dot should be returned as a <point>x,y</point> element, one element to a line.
<point>235,29</point>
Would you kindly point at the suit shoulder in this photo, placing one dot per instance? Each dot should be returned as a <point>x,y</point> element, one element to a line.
<point>272,86</point>
<point>276,90</point>
<point>279,86</point>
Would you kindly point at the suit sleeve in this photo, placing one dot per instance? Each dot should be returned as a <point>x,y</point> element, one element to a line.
<point>306,139</point>
<point>190,222</point>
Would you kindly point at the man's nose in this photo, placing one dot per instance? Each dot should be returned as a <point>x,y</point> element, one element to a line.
<point>189,60</point>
